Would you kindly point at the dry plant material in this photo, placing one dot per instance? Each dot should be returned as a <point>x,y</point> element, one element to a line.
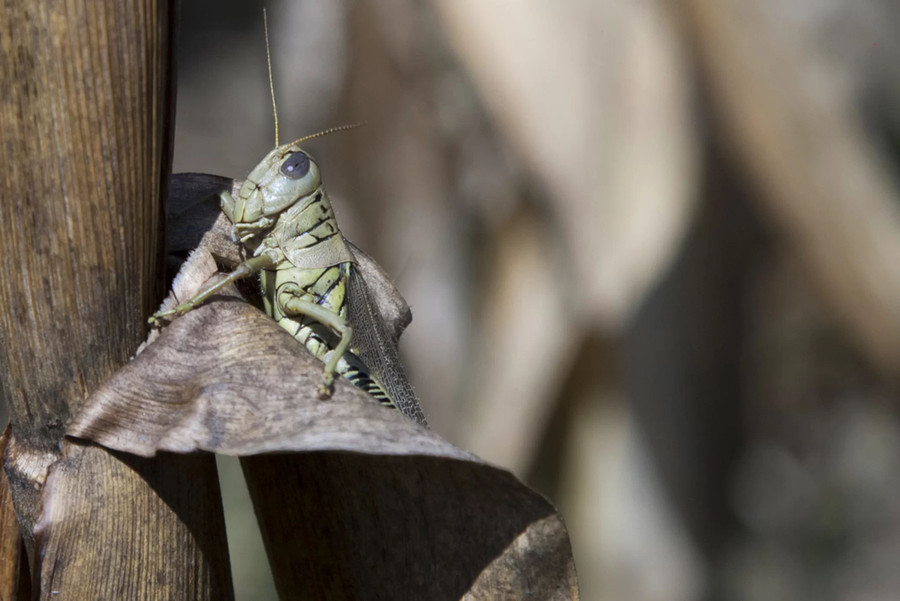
<point>111,499</point>
<point>358,501</point>
<point>226,378</point>
<point>363,526</point>
<point>10,541</point>
<point>81,492</point>
<point>611,146</point>
<point>85,124</point>
<point>610,140</point>
<point>824,183</point>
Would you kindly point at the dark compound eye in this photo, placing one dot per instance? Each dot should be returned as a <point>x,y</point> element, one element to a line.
<point>295,166</point>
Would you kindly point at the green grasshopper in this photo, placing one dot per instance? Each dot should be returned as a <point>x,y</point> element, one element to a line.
<point>309,279</point>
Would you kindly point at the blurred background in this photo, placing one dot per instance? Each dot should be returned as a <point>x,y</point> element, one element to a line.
<point>652,251</point>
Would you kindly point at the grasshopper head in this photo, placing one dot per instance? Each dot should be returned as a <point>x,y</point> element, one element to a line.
<point>284,177</point>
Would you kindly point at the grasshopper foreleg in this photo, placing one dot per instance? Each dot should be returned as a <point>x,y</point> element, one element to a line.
<point>299,306</point>
<point>247,268</point>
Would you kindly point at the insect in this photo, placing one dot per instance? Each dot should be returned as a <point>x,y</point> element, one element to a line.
<point>309,277</point>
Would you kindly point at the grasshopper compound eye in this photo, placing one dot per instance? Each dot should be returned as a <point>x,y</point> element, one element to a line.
<point>296,166</point>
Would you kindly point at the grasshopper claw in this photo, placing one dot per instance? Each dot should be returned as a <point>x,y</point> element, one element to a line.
<point>155,319</point>
<point>326,388</point>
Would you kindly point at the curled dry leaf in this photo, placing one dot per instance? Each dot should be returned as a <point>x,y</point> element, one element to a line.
<point>226,378</point>
<point>97,503</point>
<point>366,527</point>
<point>357,501</point>
<point>194,219</point>
<point>77,506</point>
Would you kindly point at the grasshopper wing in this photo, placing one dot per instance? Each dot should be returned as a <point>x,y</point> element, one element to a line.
<point>379,314</point>
<point>390,303</point>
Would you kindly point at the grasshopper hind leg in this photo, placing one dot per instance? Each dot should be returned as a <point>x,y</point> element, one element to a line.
<point>313,306</point>
<point>363,380</point>
<point>349,364</point>
<point>293,304</point>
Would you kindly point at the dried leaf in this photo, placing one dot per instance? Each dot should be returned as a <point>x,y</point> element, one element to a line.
<point>406,528</point>
<point>401,500</point>
<point>115,526</point>
<point>194,218</point>
<point>552,578</point>
<point>226,378</point>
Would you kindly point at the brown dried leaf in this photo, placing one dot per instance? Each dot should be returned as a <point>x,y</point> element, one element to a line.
<point>226,378</point>
<point>115,526</point>
<point>406,528</point>
<point>401,501</point>
<point>194,218</point>
<point>553,578</point>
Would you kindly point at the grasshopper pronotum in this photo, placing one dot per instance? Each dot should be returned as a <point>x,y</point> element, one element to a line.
<point>310,285</point>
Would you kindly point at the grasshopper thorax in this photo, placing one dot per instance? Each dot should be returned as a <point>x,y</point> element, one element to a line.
<point>286,176</point>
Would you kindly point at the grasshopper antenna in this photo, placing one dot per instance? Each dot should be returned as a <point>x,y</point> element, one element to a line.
<point>275,108</point>
<point>330,130</point>
<point>271,83</point>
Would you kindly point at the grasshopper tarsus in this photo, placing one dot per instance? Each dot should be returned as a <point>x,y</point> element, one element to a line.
<point>155,319</point>
<point>325,391</point>
<point>326,388</point>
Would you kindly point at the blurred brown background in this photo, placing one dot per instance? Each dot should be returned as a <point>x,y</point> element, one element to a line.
<point>652,250</point>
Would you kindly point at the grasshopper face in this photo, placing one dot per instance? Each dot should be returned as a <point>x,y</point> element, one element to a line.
<point>286,176</point>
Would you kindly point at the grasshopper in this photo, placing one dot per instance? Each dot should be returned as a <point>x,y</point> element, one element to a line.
<point>309,279</point>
